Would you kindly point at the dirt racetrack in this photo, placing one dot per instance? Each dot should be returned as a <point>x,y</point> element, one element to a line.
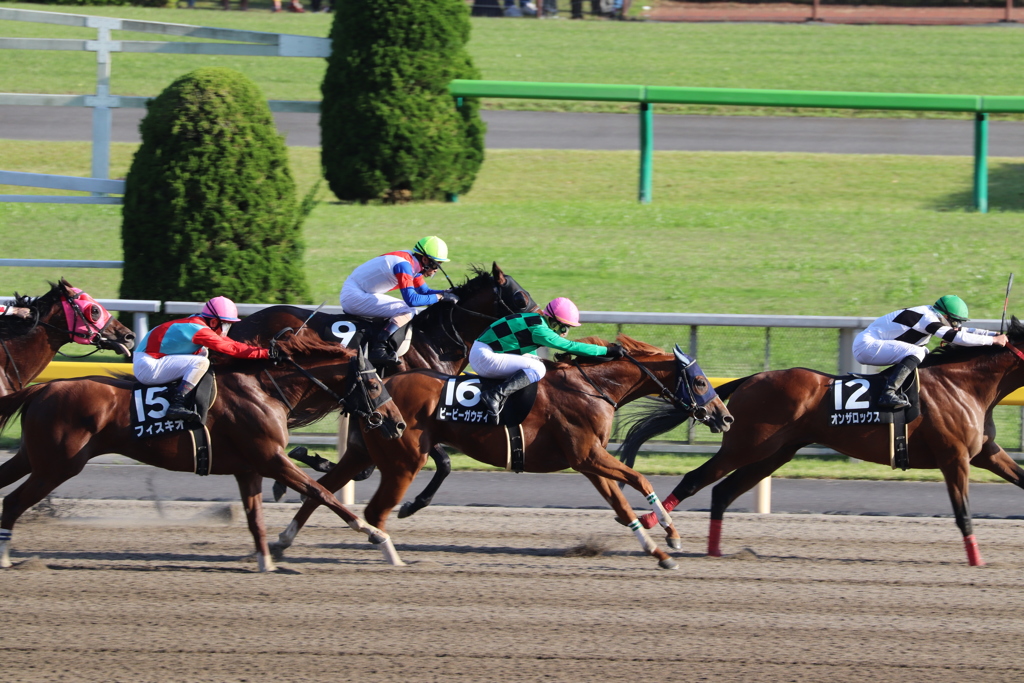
<point>109,591</point>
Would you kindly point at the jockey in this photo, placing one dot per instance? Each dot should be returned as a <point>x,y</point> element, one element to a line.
<point>899,339</point>
<point>178,350</point>
<point>364,291</point>
<point>508,349</point>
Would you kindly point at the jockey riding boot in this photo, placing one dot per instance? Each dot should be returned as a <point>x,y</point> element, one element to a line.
<point>892,397</point>
<point>494,400</point>
<point>177,409</point>
<point>381,350</point>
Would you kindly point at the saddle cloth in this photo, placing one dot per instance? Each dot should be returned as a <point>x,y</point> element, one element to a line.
<point>149,404</point>
<point>352,331</point>
<point>854,399</point>
<point>460,401</point>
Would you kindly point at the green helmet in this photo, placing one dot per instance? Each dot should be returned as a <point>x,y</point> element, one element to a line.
<point>432,247</point>
<point>953,307</point>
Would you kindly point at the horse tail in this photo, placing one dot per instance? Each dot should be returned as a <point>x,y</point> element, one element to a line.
<point>724,391</point>
<point>12,403</point>
<point>659,417</point>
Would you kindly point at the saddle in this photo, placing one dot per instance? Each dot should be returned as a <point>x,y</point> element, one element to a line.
<point>854,401</point>
<point>351,331</point>
<point>460,402</point>
<point>148,409</point>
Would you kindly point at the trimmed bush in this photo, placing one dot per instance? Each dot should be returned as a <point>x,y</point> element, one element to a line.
<point>389,128</point>
<point>209,206</point>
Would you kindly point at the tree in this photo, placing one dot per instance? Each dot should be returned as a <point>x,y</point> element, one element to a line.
<point>210,206</point>
<point>389,128</point>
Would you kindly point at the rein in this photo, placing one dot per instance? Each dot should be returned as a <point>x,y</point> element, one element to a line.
<point>603,396</point>
<point>373,419</point>
<point>1017,352</point>
<point>14,364</point>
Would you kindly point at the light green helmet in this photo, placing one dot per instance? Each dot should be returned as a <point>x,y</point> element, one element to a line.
<point>432,247</point>
<point>953,307</point>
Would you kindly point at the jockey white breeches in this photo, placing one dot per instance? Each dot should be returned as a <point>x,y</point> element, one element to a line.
<point>149,370</point>
<point>871,351</point>
<point>357,302</point>
<point>487,363</point>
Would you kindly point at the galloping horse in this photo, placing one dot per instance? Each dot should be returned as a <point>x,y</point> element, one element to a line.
<point>569,426</point>
<point>62,315</point>
<point>65,423</point>
<point>439,338</point>
<point>781,411</point>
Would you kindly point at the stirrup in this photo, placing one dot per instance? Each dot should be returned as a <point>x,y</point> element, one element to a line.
<point>891,399</point>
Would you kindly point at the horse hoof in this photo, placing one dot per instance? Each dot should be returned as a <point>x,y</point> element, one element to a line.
<point>407,510</point>
<point>668,563</point>
<point>279,491</point>
<point>277,550</point>
<point>621,521</point>
<point>674,543</point>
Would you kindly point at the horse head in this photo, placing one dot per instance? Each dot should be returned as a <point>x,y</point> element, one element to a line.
<point>695,394</point>
<point>88,322</point>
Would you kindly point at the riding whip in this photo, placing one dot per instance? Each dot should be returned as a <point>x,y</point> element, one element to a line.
<point>310,317</point>
<point>1002,323</point>
<point>446,276</point>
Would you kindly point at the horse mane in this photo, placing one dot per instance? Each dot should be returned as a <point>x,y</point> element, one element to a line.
<point>951,353</point>
<point>635,347</point>
<point>306,343</point>
<point>478,280</point>
<point>11,326</point>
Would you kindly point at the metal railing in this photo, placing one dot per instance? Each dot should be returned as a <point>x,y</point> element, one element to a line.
<point>247,43</point>
<point>285,45</point>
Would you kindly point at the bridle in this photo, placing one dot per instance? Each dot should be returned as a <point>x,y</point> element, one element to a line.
<point>684,381</point>
<point>93,333</point>
<point>1017,352</point>
<point>356,401</point>
<point>499,302</point>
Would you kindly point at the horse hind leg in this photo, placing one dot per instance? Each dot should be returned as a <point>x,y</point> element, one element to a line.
<point>735,485</point>
<point>14,469</point>
<point>443,465</point>
<point>33,490</point>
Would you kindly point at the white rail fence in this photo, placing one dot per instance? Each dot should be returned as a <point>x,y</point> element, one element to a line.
<point>101,189</point>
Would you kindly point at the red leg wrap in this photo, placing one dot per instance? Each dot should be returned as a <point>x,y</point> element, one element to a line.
<point>715,538</point>
<point>973,554</point>
<point>670,502</point>
<point>649,520</point>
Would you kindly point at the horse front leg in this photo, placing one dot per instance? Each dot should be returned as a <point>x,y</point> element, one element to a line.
<point>250,485</point>
<point>613,495</point>
<point>284,470</point>
<point>443,465</point>
<point>956,474</point>
<point>352,462</point>
<point>603,464</point>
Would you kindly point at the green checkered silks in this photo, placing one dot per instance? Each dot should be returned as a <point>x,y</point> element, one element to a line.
<point>524,332</point>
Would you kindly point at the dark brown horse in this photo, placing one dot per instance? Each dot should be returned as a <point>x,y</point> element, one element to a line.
<point>781,411</point>
<point>568,427</point>
<point>439,339</point>
<point>65,423</point>
<point>27,345</point>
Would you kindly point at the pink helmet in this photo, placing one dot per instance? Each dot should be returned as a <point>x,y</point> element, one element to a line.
<point>564,311</point>
<point>221,307</point>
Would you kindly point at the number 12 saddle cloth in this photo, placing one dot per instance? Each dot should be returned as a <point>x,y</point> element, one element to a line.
<point>853,400</point>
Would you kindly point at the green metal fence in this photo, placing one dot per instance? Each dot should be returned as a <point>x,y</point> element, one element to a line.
<point>647,96</point>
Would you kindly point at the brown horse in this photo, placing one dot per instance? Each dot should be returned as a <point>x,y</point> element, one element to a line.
<point>568,427</point>
<point>65,423</point>
<point>781,411</point>
<point>438,340</point>
<point>28,345</point>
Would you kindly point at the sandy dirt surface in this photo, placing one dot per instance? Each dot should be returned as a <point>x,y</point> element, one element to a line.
<point>111,591</point>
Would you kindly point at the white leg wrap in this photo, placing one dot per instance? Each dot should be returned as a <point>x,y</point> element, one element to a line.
<point>659,510</point>
<point>640,532</point>
<point>265,563</point>
<point>5,548</point>
<point>390,554</point>
<point>286,537</point>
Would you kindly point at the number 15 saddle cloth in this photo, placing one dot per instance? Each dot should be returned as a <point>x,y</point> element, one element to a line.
<point>148,416</point>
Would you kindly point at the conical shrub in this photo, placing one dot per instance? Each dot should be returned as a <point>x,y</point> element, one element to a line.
<point>210,206</point>
<point>389,128</point>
